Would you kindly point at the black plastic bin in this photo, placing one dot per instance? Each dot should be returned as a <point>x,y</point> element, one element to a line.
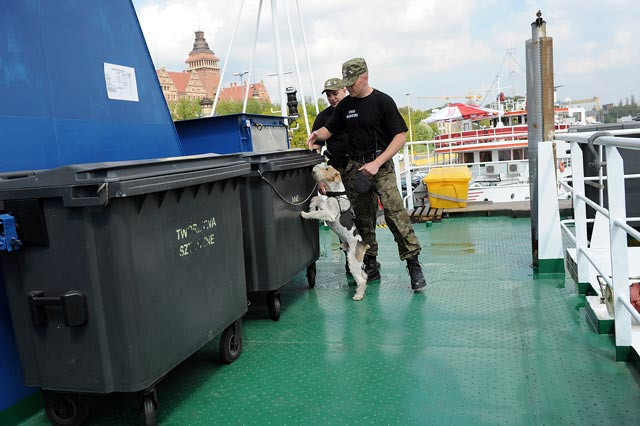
<point>278,242</point>
<point>125,270</point>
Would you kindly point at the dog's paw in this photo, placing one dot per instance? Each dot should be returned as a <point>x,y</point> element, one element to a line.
<point>305,215</point>
<point>358,297</point>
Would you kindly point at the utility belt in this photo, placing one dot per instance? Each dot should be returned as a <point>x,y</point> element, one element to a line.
<point>337,160</point>
<point>366,158</point>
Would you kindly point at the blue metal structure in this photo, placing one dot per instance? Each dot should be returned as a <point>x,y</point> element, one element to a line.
<point>225,134</point>
<point>56,109</point>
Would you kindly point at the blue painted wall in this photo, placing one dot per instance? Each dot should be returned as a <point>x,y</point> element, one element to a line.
<point>54,108</point>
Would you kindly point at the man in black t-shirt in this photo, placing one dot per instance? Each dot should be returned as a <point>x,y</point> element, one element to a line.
<point>336,144</point>
<point>376,132</point>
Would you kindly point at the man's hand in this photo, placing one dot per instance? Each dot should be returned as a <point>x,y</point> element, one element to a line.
<point>311,141</point>
<point>322,134</point>
<point>370,169</point>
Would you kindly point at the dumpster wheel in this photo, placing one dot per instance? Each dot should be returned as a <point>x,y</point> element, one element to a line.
<point>311,275</point>
<point>274,305</point>
<point>231,343</point>
<point>66,409</point>
<point>150,407</point>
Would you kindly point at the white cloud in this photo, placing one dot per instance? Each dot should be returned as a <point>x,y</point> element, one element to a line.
<point>428,47</point>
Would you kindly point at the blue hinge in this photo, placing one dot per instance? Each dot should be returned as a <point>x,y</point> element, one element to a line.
<point>8,236</point>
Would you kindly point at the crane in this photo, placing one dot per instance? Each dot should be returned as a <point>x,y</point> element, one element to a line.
<point>594,100</point>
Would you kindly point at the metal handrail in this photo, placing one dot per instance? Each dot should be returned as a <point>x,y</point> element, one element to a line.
<point>595,265</point>
<point>616,213</point>
<point>409,167</point>
<point>634,314</point>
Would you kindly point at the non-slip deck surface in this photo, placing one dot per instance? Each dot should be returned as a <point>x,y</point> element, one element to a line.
<point>488,342</point>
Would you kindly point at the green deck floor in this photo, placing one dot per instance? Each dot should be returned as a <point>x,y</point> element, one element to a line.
<point>487,343</point>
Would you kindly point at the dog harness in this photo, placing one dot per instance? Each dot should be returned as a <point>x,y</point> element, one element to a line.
<point>347,215</point>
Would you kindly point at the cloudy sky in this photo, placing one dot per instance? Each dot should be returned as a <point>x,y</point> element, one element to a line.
<point>432,48</point>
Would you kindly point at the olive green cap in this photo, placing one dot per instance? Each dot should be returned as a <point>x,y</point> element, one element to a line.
<point>333,84</point>
<point>352,69</point>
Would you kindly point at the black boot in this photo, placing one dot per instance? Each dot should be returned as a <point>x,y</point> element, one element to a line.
<point>415,272</point>
<point>371,267</point>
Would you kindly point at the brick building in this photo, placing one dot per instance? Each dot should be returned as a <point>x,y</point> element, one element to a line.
<point>235,92</point>
<point>201,78</point>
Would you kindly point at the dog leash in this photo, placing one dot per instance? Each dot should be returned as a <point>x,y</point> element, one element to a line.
<point>313,191</point>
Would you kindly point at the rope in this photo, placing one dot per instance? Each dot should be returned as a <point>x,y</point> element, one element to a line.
<point>313,191</point>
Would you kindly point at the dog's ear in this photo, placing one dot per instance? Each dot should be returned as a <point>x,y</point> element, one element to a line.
<point>335,176</point>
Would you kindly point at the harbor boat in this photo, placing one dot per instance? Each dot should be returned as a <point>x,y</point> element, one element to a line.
<point>494,146</point>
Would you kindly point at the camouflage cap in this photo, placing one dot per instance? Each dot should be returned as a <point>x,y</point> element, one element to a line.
<point>333,84</point>
<point>352,69</point>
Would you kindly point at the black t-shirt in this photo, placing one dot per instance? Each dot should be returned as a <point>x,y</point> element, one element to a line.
<point>370,122</point>
<point>336,144</point>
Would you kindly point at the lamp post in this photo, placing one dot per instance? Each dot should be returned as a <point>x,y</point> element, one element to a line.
<point>278,75</point>
<point>407,94</point>
<point>241,74</point>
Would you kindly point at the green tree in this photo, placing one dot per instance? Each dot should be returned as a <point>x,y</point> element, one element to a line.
<point>420,131</point>
<point>622,110</point>
<point>322,104</point>
<point>185,109</point>
<point>254,106</point>
<point>299,135</point>
<point>423,132</point>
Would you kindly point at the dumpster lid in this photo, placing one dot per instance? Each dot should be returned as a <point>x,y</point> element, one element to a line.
<point>238,116</point>
<point>282,160</point>
<point>96,183</point>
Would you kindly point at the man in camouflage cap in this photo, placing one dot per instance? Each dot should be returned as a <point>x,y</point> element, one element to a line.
<point>336,144</point>
<point>376,132</point>
<point>352,69</point>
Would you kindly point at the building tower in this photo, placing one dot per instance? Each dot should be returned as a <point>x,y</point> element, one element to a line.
<point>205,63</point>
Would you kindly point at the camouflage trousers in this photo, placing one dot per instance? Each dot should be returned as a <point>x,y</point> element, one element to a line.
<point>365,206</point>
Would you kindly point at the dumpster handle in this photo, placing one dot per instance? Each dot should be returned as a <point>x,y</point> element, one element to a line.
<point>104,187</point>
<point>313,191</point>
<point>9,240</point>
<point>73,304</point>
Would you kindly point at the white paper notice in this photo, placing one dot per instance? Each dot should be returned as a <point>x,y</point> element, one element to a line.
<point>121,82</point>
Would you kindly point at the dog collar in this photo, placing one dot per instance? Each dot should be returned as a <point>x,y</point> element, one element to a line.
<point>335,193</point>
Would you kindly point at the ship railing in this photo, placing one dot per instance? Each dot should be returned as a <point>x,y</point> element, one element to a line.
<point>620,255</point>
<point>507,133</point>
<point>420,157</point>
<point>471,139</point>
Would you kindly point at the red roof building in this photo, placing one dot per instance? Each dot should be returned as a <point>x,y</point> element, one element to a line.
<point>180,85</point>
<point>235,92</point>
<point>201,78</point>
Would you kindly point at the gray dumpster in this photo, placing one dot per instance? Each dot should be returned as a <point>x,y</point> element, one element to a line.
<point>117,272</point>
<point>278,242</point>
